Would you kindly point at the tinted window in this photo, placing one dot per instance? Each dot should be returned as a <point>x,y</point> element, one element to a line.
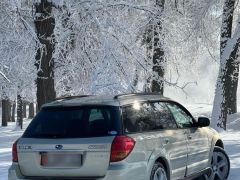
<point>138,117</point>
<point>147,117</point>
<point>75,122</point>
<point>164,118</point>
<point>182,118</point>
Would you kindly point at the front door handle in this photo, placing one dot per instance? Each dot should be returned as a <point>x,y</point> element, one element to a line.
<point>166,141</point>
<point>189,137</point>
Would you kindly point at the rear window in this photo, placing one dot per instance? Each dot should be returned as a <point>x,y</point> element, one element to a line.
<point>75,122</point>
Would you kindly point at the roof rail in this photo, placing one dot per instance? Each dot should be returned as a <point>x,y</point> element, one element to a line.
<point>136,94</point>
<point>71,97</point>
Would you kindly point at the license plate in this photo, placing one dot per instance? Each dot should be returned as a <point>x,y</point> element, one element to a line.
<point>61,160</point>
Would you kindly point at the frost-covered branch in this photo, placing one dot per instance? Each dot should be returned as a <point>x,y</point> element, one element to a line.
<point>4,76</point>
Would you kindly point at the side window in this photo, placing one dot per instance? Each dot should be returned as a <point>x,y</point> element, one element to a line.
<point>138,118</point>
<point>147,117</point>
<point>164,118</point>
<point>182,118</point>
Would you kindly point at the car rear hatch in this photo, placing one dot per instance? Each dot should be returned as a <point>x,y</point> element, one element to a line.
<point>69,142</point>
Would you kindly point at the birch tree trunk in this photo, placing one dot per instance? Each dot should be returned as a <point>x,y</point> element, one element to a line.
<point>225,101</point>
<point>45,24</point>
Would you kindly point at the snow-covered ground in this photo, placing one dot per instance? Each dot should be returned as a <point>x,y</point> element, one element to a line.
<point>231,140</point>
<point>7,137</point>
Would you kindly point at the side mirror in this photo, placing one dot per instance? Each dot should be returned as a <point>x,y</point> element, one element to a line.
<point>203,122</point>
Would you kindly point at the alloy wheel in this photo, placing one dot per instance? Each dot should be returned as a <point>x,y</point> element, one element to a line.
<point>220,166</point>
<point>160,174</point>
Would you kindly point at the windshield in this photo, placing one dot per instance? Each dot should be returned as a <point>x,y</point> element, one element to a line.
<point>75,122</point>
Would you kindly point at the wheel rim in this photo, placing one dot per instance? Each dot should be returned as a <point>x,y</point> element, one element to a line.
<point>160,174</point>
<point>220,166</point>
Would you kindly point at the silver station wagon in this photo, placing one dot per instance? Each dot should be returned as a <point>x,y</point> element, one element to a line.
<point>141,136</point>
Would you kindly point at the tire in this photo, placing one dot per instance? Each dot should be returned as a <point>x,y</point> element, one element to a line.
<point>158,172</point>
<point>220,165</point>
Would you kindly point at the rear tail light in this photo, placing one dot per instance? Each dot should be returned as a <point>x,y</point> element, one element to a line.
<point>14,152</point>
<point>121,148</point>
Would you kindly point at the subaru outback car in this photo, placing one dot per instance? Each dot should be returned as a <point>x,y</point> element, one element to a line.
<point>126,137</point>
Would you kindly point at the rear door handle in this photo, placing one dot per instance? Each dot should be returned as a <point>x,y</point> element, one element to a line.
<point>166,140</point>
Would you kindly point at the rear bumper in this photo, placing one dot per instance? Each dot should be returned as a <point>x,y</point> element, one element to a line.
<point>126,171</point>
<point>116,171</point>
<point>14,172</point>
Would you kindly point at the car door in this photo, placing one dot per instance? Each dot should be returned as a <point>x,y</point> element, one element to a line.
<point>154,123</point>
<point>173,140</point>
<point>197,139</point>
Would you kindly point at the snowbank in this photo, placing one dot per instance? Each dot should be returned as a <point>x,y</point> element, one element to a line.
<point>233,123</point>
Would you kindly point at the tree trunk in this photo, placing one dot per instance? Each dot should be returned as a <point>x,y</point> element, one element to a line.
<point>31,111</point>
<point>13,111</point>
<point>154,40</point>
<point>45,23</point>
<point>5,114</point>
<point>225,101</point>
<point>135,80</point>
<point>9,111</point>
<point>37,109</point>
<point>19,111</point>
<point>24,105</point>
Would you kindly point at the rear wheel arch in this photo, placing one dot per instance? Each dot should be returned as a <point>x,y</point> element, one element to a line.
<point>164,162</point>
<point>219,143</point>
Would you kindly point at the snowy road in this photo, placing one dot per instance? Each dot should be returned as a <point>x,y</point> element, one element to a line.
<point>232,146</point>
<point>8,135</point>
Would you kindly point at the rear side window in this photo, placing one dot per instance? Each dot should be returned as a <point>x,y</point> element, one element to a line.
<point>147,117</point>
<point>75,122</point>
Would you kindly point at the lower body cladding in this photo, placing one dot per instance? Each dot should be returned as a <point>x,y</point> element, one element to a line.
<point>116,171</point>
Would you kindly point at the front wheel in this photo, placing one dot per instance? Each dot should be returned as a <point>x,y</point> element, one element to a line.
<point>220,165</point>
<point>158,172</point>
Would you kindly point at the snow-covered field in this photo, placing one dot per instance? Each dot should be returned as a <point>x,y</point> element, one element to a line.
<point>231,140</point>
